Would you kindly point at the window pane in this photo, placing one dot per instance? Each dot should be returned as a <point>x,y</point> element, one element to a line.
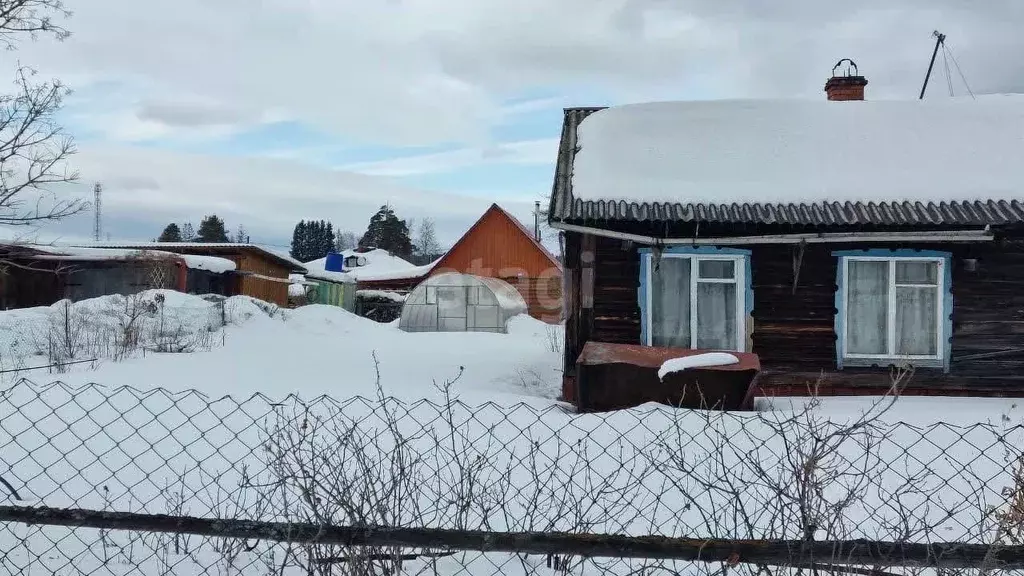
<point>867,307</point>
<point>716,316</point>
<point>916,321</point>
<point>670,303</point>
<point>916,272</point>
<point>713,269</point>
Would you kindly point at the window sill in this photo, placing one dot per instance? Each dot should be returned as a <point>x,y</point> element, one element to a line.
<point>898,362</point>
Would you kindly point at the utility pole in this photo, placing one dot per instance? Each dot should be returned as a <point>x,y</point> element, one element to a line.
<point>939,40</point>
<point>97,228</point>
<point>536,220</point>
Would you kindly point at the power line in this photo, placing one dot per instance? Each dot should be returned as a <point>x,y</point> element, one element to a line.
<point>949,75</point>
<point>959,71</point>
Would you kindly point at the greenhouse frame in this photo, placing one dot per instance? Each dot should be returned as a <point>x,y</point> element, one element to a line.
<point>454,302</point>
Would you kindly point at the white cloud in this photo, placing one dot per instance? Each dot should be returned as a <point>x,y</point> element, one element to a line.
<point>541,151</point>
<point>423,72</point>
<point>144,189</point>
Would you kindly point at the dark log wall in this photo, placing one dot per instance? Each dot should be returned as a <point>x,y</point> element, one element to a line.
<point>794,331</point>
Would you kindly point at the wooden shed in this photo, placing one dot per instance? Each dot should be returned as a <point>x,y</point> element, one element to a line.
<point>262,273</point>
<point>495,246</point>
<point>499,246</point>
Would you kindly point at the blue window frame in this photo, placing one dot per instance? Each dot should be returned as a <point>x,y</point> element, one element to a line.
<point>695,297</point>
<point>893,307</point>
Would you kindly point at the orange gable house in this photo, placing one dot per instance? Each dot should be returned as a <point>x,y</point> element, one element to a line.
<point>499,246</point>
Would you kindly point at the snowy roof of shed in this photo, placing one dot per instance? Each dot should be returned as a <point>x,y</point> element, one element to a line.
<point>84,254</point>
<point>797,161</point>
<point>209,247</point>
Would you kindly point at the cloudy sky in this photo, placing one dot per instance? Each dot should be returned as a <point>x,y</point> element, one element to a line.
<point>269,111</point>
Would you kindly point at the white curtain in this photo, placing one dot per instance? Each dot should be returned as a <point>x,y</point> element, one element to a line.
<point>916,321</point>
<point>670,302</point>
<point>867,310</point>
<point>716,316</point>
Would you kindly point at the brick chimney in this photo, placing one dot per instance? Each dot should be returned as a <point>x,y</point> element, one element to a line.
<point>848,86</point>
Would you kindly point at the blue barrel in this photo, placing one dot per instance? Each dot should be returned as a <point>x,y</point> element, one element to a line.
<point>335,262</point>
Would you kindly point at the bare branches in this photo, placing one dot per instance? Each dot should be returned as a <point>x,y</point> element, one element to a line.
<point>381,487</point>
<point>34,149</point>
<point>31,18</point>
<point>33,154</point>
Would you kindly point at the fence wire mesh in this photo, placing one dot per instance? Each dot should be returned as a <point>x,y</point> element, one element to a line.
<point>378,462</point>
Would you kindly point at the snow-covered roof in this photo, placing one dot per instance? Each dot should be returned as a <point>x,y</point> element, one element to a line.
<point>381,294</point>
<point>380,265</point>
<point>339,277</point>
<point>209,263</point>
<point>83,254</point>
<point>181,247</point>
<point>660,160</point>
<point>402,274</point>
<point>803,151</point>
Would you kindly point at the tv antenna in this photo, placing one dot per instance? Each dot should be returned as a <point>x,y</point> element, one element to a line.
<point>947,56</point>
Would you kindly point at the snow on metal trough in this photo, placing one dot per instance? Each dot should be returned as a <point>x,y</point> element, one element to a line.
<point>619,376</point>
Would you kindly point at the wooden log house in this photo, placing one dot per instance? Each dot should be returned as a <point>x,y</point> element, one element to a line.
<point>834,239</point>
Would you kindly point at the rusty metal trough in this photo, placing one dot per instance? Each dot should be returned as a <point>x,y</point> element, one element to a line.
<point>619,376</point>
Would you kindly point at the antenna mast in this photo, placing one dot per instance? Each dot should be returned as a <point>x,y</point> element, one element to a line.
<point>940,39</point>
<point>536,220</point>
<point>97,229</point>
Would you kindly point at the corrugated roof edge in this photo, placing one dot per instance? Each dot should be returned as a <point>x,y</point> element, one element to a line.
<point>564,207</point>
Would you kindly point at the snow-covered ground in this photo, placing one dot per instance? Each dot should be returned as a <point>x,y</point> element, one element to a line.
<point>157,433</point>
<point>308,351</point>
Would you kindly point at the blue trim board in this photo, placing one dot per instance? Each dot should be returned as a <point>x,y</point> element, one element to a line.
<point>645,264</point>
<point>947,294</point>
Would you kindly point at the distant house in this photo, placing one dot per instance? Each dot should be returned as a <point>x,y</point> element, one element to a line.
<point>832,239</point>
<point>42,275</point>
<point>495,246</point>
<point>342,288</point>
<point>262,273</point>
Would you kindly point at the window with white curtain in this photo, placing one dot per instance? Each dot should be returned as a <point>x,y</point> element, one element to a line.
<point>893,308</point>
<point>695,301</point>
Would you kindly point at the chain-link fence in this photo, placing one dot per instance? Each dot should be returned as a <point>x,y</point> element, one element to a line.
<point>125,481</point>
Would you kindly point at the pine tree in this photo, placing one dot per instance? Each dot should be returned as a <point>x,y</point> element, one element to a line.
<point>212,229</point>
<point>327,239</point>
<point>188,234</point>
<point>298,241</point>
<point>387,232</point>
<point>170,234</point>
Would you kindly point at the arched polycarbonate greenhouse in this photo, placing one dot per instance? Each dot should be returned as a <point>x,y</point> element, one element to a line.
<point>454,302</point>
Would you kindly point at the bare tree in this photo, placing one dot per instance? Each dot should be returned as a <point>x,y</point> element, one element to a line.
<point>34,149</point>
<point>19,17</point>
<point>345,240</point>
<point>426,239</point>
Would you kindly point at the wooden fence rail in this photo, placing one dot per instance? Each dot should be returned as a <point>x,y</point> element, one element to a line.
<point>873,554</point>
